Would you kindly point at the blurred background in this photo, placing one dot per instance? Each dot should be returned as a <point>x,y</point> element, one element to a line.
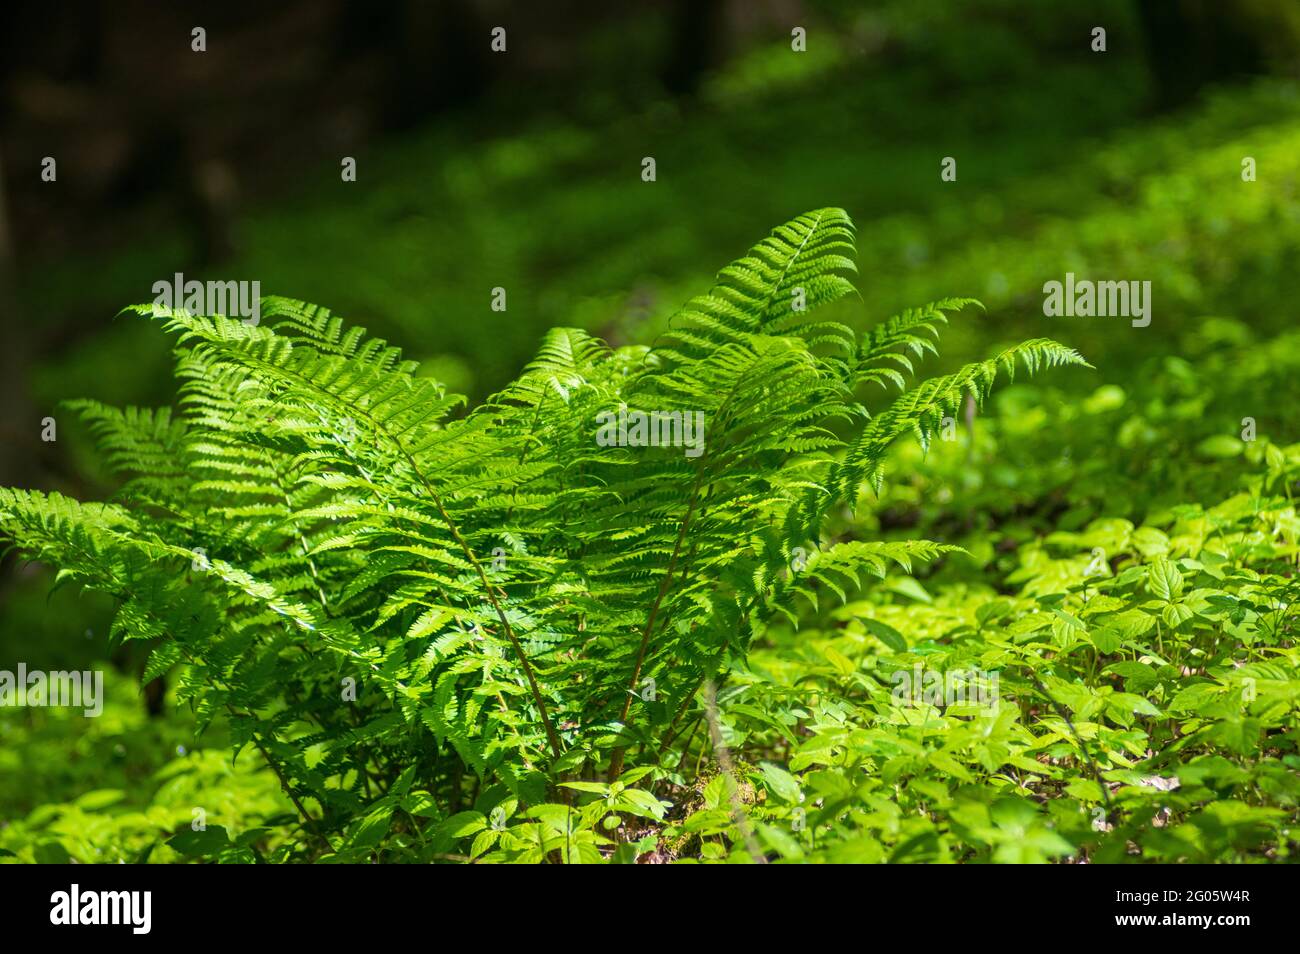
<point>522,169</point>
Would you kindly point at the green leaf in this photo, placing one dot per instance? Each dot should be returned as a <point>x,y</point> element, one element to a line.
<point>886,634</point>
<point>1175,614</point>
<point>370,831</point>
<point>1220,446</point>
<point>209,841</point>
<point>1165,580</point>
<point>1107,639</point>
<point>1196,698</point>
<point>100,798</point>
<point>463,824</point>
<point>780,782</point>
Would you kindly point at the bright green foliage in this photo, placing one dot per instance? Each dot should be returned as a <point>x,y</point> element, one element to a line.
<point>1173,656</point>
<point>515,604</point>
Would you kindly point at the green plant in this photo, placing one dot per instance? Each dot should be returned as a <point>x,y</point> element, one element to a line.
<point>1171,656</point>
<point>407,611</point>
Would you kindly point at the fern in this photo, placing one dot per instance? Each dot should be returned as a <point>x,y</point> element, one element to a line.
<point>499,585</point>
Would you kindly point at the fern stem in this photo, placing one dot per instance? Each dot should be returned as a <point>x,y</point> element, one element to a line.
<point>308,821</point>
<point>616,757</point>
<point>551,737</point>
<point>776,285</point>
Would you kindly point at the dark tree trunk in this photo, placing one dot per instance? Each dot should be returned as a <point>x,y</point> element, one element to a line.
<point>696,28</point>
<point>20,424</point>
<point>1193,43</point>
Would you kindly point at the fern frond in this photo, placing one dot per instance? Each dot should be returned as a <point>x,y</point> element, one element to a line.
<point>886,347</point>
<point>921,410</point>
<point>497,586</point>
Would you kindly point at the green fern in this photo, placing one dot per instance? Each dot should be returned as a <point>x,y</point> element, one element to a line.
<point>498,584</point>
